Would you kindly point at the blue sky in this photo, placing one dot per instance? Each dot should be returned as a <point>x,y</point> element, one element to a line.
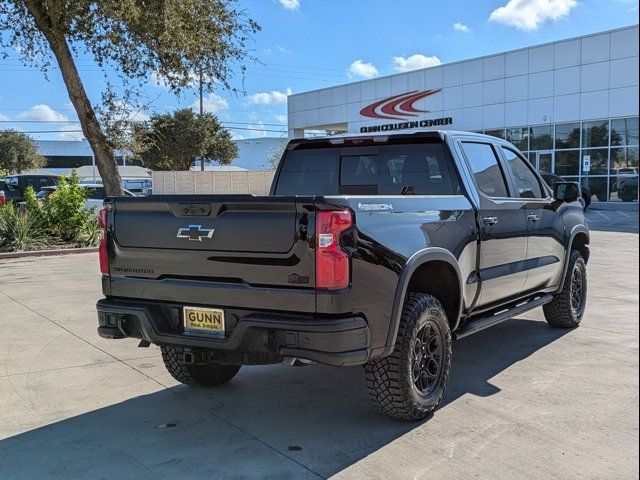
<point>309,44</point>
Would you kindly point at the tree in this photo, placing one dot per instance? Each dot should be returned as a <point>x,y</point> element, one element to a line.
<point>172,40</point>
<point>18,153</point>
<point>274,155</point>
<point>174,141</point>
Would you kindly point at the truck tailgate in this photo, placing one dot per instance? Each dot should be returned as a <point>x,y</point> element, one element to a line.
<point>248,224</point>
<point>231,250</point>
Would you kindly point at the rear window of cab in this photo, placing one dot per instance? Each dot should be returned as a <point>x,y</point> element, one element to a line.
<point>413,169</point>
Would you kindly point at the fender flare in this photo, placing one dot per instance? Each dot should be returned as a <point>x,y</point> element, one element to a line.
<point>578,229</point>
<point>429,254</point>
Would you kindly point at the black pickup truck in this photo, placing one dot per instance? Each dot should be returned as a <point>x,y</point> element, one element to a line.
<point>369,250</point>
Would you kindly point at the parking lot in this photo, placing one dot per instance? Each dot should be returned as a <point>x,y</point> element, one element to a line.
<point>524,401</point>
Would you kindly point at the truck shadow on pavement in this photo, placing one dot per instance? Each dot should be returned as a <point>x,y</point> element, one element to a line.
<point>269,422</point>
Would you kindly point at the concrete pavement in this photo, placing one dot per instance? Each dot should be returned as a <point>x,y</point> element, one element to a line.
<point>524,401</point>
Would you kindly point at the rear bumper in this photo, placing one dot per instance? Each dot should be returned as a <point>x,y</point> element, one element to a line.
<point>332,341</point>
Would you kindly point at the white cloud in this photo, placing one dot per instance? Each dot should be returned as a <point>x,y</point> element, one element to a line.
<point>461,27</point>
<point>414,62</point>
<point>211,103</point>
<point>530,14</point>
<point>280,117</point>
<point>3,118</point>
<point>236,136</point>
<point>273,97</point>
<point>71,132</point>
<point>290,4</point>
<point>362,70</point>
<point>42,113</point>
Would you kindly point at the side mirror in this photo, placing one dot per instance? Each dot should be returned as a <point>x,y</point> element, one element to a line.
<point>566,191</point>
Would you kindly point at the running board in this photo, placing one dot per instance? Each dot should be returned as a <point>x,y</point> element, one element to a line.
<point>486,322</point>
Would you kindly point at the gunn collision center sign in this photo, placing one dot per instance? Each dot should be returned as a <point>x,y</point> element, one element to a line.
<point>400,107</point>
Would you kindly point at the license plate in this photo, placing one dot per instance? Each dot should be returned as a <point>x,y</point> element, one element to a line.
<point>203,321</point>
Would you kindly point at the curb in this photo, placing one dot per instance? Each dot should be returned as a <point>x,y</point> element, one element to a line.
<point>47,253</point>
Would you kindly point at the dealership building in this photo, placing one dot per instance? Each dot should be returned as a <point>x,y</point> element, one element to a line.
<point>570,106</point>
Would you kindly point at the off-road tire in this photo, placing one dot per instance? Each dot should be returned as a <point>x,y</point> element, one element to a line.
<point>559,313</point>
<point>390,380</point>
<point>210,375</point>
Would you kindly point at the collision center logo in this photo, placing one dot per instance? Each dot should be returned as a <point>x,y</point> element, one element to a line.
<point>398,107</point>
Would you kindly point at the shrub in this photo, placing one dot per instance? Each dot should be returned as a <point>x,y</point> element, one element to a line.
<point>90,233</point>
<point>62,211</point>
<point>21,232</point>
<point>31,201</point>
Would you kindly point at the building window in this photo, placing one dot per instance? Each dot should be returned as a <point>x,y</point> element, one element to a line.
<point>568,163</point>
<point>624,131</point>
<point>623,158</point>
<point>66,161</point>
<point>495,133</point>
<point>613,147</point>
<point>599,161</point>
<point>567,135</point>
<point>519,137</point>
<point>595,134</point>
<point>598,187</point>
<point>542,137</point>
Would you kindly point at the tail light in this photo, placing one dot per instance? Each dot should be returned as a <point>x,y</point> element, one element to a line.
<point>3,198</point>
<point>104,258</point>
<point>332,262</point>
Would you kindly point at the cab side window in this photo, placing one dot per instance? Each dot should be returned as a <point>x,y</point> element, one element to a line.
<point>486,169</point>
<point>526,183</point>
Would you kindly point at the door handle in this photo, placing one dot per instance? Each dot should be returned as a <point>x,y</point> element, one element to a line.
<point>490,221</point>
<point>533,217</point>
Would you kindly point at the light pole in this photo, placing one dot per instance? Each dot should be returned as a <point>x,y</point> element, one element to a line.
<point>201,111</point>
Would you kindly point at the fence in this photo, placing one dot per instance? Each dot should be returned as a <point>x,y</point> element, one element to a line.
<point>249,181</point>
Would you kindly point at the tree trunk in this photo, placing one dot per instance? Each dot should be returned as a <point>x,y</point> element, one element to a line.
<point>104,155</point>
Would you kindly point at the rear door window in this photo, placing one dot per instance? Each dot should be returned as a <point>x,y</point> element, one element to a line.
<point>486,169</point>
<point>413,169</point>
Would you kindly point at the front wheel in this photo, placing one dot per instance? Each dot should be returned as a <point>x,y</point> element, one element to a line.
<point>209,375</point>
<point>409,383</point>
<point>567,307</point>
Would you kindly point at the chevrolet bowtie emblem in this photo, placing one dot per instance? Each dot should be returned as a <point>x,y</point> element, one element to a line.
<point>195,232</point>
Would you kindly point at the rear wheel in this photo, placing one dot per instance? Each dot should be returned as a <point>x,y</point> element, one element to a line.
<point>409,383</point>
<point>209,375</point>
<point>567,307</point>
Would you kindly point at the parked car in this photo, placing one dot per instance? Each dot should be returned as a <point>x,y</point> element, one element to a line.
<point>369,250</point>
<point>628,188</point>
<point>625,172</point>
<point>552,179</point>
<point>16,185</point>
<point>3,196</point>
<point>95,199</point>
<point>136,186</point>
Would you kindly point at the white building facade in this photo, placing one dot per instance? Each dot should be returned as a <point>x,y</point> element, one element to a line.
<point>571,106</point>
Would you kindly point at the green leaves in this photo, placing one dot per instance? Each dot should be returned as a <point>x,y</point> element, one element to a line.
<point>63,212</point>
<point>130,40</point>
<point>21,232</point>
<point>18,153</point>
<point>59,219</point>
<point>174,141</point>
<point>171,38</point>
